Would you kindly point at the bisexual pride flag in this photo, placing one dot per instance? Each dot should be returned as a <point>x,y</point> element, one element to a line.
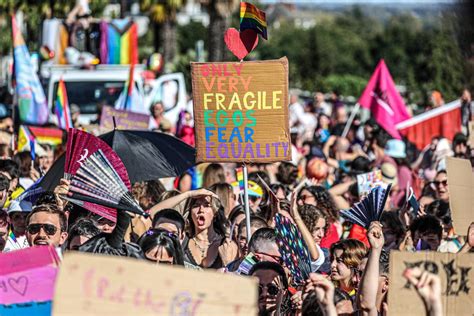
<point>33,108</point>
<point>252,18</point>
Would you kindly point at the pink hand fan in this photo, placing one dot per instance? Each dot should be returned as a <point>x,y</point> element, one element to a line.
<point>80,146</point>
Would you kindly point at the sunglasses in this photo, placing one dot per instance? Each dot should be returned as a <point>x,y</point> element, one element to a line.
<point>272,289</point>
<point>438,183</point>
<point>48,229</point>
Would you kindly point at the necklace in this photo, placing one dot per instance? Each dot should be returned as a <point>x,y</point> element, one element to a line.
<point>204,249</point>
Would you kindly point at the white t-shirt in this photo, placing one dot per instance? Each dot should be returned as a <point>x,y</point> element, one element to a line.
<point>16,243</point>
<point>315,265</point>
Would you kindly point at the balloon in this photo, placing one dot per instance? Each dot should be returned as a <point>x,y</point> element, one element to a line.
<point>317,169</point>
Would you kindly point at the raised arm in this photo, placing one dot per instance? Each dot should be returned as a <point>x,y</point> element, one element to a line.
<point>305,233</point>
<point>369,283</point>
<point>337,193</point>
<point>175,200</point>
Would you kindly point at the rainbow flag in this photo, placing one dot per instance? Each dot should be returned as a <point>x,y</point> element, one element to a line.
<point>62,107</point>
<point>252,18</point>
<point>118,42</point>
<point>32,104</point>
<point>240,178</point>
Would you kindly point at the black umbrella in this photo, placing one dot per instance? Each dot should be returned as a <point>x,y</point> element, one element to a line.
<point>146,155</point>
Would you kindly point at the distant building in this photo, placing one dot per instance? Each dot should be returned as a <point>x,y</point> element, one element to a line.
<point>280,13</point>
<point>192,11</point>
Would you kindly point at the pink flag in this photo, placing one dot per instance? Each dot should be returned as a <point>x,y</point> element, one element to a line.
<point>382,98</point>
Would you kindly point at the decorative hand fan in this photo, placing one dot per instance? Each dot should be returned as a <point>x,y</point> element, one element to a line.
<point>369,209</point>
<point>80,146</point>
<point>293,249</point>
<point>97,181</point>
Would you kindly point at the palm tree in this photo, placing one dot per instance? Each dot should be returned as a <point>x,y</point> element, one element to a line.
<point>220,12</point>
<point>163,16</point>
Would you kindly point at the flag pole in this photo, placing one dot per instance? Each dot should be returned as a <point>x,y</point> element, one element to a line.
<point>246,201</point>
<point>354,112</point>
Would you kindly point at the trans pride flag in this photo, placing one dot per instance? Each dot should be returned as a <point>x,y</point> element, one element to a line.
<point>32,105</point>
<point>62,107</point>
<point>253,19</point>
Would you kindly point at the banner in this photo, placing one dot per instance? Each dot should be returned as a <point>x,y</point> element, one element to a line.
<point>457,281</point>
<point>461,193</point>
<point>123,120</point>
<point>241,111</point>
<point>444,121</point>
<point>105,285</point>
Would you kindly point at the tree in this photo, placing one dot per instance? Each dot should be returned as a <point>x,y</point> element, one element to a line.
<point>163,16</point>
<point>220,12</point>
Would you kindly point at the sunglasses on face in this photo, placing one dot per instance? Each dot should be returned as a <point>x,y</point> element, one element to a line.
<point>48,229</point>
<point>272,289</point>
<point>438,183</point>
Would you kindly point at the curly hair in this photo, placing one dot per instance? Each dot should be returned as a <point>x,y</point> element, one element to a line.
<point>310,216</point>
<point>324,201</point>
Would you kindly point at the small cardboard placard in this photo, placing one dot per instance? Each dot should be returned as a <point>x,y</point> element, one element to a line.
<point>461,193</point>
<point>123,120</point>
<point>28,275</point>
<point>241,111</point>
<point>367,181</point>
<point>105,285</point>
<point>457,282</point>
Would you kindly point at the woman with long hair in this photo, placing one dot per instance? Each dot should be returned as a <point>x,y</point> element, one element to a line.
<point>318,196</point>
<point>214,173</point>
<point>207,245</point>
<point>162,247</point>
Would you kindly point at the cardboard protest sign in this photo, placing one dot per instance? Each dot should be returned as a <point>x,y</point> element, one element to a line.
<point>241,111</point>
<point>367,181</point>
<point>27,276</point>
<point>461,193</point>
<point>123,120</point>
<point>105,285</point>
<point>457,281</point>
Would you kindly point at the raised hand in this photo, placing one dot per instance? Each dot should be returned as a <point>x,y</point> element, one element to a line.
<point>428,286</point>
<point>375,236</point>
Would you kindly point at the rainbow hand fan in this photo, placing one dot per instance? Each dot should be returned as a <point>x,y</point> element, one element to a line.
<point>97,181</point>
<point>369,209</point>
<point>293,249</point>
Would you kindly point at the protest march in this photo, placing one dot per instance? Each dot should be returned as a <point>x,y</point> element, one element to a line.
<point>235,195</point>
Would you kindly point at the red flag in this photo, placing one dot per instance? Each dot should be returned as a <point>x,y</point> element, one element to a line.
<point>384,101</point>
<point>444,121</point>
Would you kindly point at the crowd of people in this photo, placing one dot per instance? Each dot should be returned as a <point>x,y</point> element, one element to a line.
<point>198,221</point>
